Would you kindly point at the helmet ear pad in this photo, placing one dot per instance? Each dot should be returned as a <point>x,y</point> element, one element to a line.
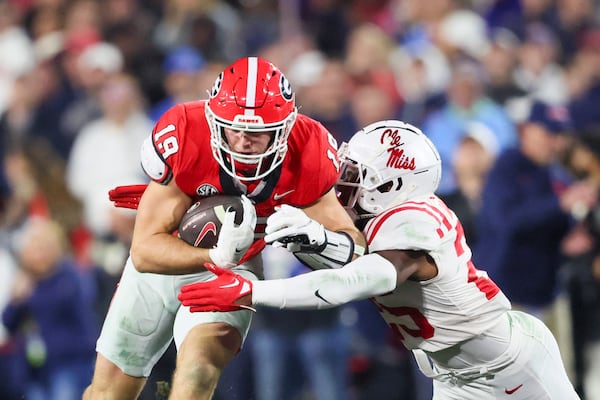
<point>393,185</point>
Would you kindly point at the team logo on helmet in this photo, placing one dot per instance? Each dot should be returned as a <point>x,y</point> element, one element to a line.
<point>216,86</point>
<point>397,158</point>
<point>392,137</point>
<point>286,88</point>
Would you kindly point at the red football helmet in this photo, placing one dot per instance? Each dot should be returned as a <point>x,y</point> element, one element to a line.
<point>251,95</point>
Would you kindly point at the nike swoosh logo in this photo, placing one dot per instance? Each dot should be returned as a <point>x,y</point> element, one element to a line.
<point>209,227</point>
<point>278,196</point>
<point>245,289</point>
<point>235,283</point>
<point>511,391</point>
<point>321,297</point>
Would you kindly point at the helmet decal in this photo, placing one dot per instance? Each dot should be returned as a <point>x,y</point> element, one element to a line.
<point>286,88</point>
<point>216,86</point>
<point>392,137</point>
<point>399,160</point>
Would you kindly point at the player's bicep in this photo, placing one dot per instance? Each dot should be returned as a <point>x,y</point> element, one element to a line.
<point>160,210</point>
<point>410,264</point>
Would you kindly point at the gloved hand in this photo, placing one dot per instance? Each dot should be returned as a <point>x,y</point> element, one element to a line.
<point>220,294</point>
<point>291,228</point>
<point>234,241</point>
<point>127,196</point>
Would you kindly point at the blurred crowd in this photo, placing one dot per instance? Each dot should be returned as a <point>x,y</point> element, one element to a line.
<point>508,90</point>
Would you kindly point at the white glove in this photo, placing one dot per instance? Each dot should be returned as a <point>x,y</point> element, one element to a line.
<point>291,228</point>
<point>234,240</point>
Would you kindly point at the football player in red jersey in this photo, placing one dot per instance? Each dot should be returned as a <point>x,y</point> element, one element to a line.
<point>246,139</point>
<point>418,273</point>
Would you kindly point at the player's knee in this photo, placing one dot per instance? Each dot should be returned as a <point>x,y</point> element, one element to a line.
<point>92,393</point>
<point>87,393</point>
<point>197,381</point>
<point>205,351</point>
<point>110,382</point>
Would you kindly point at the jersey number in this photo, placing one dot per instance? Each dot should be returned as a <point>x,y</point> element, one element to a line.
<point>165,143</point>
<point>481,280</point>
<point>423,327</point>
<point>332,154</point>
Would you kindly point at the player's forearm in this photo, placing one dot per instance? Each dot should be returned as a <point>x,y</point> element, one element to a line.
<point>367,276</point>
<point>167,254</point>
<point>360,244</point>
<point>327,211</point>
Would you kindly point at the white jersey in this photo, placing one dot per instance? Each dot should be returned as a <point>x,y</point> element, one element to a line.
<point>459,303</point>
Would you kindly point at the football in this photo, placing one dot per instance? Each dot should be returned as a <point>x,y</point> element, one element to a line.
<point>201,223</point>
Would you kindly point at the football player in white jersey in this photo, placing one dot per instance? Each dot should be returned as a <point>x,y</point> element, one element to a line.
<point>418,273</point>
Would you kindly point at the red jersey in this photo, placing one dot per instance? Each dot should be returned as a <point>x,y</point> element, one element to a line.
<point>181,139</point>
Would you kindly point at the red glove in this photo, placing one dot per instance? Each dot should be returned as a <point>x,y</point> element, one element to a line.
<point>127,196</point>
<point>220,294</point>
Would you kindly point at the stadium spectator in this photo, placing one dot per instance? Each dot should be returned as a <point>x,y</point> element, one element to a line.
<point>140,57</point>
<point>370,103</point>
<point>182,67</point>
<point>16,51</point>
<point>538,72</point>
<point>500,62</point>
<point>367,61</point>
<point>188,23</point>
<point>573,19</point>
<point>323,89</point>
<point>461,33</point>
<point>471,162</point>
<point>526,212</point>
<point>100,159</point>
<point>52,306</point>
<point>586,71</point>
<point>422,74</point>
<point>515,15</point>
<point>466,103</point>
<point>13,364</point>
<point>18,122</point>
<point>83,66</point>
<point>582,246</point>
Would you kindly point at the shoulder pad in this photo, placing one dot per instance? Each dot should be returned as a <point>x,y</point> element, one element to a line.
<point>153,164</point>
<point>403,229</point>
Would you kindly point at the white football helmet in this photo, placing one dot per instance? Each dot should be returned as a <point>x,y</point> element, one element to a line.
<point>384,164</point>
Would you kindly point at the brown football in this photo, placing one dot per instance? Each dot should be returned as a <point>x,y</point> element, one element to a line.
<point>201,223</point>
